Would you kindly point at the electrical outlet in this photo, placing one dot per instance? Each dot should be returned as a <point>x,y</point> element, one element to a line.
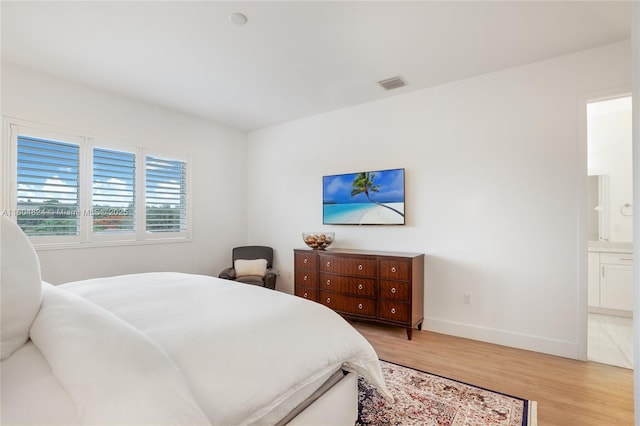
<point>467,298</point>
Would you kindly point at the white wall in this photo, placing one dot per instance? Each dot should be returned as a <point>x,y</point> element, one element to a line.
<point>219,173</point>
<point>492,181</point>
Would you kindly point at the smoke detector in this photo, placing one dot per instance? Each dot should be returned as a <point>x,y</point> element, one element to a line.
<point>238,18</point>
<point>392,83</point>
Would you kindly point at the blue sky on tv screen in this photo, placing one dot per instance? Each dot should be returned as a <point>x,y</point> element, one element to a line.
<point>337,188</point>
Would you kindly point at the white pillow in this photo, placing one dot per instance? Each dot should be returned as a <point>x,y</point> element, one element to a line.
<point>116,374</point>
<point>246,267</point>
<point>20,287</point>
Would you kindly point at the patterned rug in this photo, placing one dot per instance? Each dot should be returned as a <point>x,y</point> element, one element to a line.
<point>426,399</point>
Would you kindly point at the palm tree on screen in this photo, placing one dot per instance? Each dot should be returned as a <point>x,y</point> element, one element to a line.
<point>363,183</point>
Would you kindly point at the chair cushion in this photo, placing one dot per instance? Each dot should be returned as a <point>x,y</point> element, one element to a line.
<point>20,284</point>
<point>246,267</point>
<point>252,279</point>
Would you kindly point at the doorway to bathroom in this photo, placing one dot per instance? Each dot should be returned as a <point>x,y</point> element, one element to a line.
<point>610,226</point>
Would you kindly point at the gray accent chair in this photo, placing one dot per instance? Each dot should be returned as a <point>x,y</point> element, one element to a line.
<point>252,253</point>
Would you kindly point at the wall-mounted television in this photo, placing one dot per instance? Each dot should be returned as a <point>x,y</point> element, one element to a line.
<point>364,198</point>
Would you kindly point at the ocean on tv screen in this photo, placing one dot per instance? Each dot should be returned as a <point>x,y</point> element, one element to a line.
<point>363,214</point>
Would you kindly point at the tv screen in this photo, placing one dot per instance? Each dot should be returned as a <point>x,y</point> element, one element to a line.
<point>364,198</point>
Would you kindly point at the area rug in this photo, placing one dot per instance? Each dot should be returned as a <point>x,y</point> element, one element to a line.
<point>425,399</point>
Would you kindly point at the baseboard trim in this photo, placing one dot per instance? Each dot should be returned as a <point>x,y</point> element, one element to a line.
<point>503,338</point>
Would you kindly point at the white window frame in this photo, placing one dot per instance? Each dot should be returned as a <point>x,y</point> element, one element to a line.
<point>142,228</point>
<point>86,237</point>
<point>120,236</point>
<point>11,183</point>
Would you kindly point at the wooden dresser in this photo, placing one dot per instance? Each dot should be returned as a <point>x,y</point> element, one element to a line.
<point>378,286</point>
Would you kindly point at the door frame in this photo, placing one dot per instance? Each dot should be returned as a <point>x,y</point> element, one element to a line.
<point>583,231</point>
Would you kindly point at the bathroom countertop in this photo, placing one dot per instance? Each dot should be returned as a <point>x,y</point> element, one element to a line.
<point>610,247</point>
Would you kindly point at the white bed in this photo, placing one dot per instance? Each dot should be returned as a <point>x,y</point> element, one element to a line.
<point>170,348</point>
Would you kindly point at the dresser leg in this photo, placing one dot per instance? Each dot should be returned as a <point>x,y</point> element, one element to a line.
<point>410,330</point>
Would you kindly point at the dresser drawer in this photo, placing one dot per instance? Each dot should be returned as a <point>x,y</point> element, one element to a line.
<point>348,304</point>
<point>305,260</point>
<point>394,311</point>
<point>394,269</point>
<point>395,290</point>
<point>306,278</point>
<point>349,285</point>
<point>617,258</point>
<point>306,293</point>
<point>354,266</point>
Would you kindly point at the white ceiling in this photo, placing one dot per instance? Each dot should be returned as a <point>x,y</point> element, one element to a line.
<point>292,59</point>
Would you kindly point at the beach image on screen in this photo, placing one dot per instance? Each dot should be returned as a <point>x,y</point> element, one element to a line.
<point>364,198</point>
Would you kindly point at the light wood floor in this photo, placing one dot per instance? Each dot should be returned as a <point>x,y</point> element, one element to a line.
<point>568,392</point>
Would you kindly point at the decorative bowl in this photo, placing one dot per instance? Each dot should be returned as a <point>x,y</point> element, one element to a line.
<point>318,240</point>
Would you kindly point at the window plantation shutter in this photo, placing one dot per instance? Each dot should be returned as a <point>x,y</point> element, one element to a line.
<point>67,189</point>
<point>47,187</point>
<point>113,191</point>
<point>165,194</point>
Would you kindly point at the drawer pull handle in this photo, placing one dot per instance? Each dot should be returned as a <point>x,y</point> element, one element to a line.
<point>626,258</point>
<point>328,300</point>
<point>393,269</point>
<point>305,277</point>
<point>359,305</point>
<point>305,261</point>
<point>359,267</point>
<point>305,295</point>
<point>393,310</point>
<point>359,286</point>
<point>328,282</point>
<point>393,290</point>
<point>328,264</point>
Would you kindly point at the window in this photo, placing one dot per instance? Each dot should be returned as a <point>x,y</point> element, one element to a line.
<point>165,195</point>
<point>48,187</point>
<point>71,189</point>
<point>114,191</point>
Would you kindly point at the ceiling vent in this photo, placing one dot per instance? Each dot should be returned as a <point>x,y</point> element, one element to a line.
<point>392,83</point>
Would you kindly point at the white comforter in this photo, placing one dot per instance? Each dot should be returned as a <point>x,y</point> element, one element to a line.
<point>172,348</point>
